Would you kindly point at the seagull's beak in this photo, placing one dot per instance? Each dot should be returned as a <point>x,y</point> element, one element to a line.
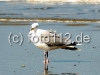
<point>32,28</point>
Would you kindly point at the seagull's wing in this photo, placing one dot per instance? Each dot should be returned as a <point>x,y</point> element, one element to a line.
<point>51,38</point>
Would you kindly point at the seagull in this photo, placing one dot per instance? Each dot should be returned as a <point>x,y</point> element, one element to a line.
<point>48,40</point>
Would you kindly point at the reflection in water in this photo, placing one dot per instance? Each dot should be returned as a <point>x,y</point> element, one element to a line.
<point>47,72</point>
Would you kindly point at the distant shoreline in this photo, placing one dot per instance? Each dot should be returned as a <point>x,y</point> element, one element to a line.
<point>48,20</point>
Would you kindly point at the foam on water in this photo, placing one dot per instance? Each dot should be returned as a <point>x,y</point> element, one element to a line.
<point>73,1</point>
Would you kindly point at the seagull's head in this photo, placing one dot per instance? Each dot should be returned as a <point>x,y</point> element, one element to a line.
<point>34,26</point>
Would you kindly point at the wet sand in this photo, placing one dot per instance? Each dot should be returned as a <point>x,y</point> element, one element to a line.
<point>26,59</point>
<point>62,62</point>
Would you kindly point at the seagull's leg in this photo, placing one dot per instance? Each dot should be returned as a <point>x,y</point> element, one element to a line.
<point>44,57</point>
<point>47,60</point>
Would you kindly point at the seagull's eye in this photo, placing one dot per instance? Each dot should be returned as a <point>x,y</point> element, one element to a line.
<point>32,28</point>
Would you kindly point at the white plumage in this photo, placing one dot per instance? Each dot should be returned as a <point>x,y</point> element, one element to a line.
<point>37,37</point>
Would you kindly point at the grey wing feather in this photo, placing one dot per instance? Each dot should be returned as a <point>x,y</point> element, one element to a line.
<point>51,38</point>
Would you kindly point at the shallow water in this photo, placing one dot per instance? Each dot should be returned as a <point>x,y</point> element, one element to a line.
<point>62,62</point>
<point>66,10</point>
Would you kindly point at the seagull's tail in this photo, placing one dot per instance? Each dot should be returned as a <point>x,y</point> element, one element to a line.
<point>71,48</point>
<point>74,44</point>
